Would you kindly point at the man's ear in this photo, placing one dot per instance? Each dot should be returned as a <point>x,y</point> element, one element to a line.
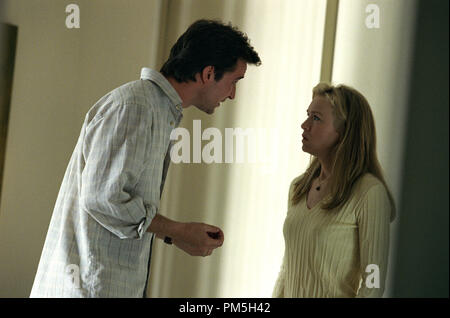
<point>207,74</point>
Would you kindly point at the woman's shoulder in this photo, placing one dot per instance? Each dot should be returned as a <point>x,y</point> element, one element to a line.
<point>293,183</point>
<point>370,189</point>
<point>367,182</point>
<point>296,179</point>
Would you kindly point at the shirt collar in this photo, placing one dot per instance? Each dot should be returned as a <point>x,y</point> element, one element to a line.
<point>163,83</point>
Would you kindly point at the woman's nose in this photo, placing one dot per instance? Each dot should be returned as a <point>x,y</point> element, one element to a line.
<point>304,125</point>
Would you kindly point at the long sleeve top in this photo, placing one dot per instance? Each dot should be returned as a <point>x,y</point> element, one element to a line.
<point>340,253</point>
<point>97,244</point>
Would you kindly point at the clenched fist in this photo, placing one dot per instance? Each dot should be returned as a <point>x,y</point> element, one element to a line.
<point>198,239</point>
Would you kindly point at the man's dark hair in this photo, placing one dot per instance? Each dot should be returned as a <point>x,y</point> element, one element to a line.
<point>208,42</point>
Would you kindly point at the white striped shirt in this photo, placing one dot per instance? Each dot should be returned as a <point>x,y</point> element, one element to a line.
<point>97,244</point>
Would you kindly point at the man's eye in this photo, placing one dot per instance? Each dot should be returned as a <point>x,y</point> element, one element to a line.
<point>316,118</point>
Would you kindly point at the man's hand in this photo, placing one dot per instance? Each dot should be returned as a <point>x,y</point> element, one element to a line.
<point>198,239</point>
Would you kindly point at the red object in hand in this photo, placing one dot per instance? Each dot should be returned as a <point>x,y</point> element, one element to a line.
<point>213,235</point>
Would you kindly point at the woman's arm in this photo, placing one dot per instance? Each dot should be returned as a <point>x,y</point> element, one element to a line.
<point>373,219</point>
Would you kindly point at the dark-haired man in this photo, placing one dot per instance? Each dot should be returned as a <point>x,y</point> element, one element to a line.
<point>106,214</point>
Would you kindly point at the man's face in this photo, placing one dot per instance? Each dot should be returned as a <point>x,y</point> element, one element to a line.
<point>213,93</point>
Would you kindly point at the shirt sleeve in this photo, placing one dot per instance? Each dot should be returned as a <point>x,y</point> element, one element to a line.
<point>115,151</point>
<point>373,219</point>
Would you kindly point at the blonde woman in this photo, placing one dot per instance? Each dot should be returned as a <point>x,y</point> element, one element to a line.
<point>339,211</point>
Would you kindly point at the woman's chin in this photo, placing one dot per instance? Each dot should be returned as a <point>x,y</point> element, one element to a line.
<point>305,149</point>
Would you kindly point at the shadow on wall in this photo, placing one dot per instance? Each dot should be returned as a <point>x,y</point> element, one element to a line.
<point>422,261</point>
<point>8,39</point>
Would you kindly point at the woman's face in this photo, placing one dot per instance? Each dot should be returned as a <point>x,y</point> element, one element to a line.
<point>319,134</point>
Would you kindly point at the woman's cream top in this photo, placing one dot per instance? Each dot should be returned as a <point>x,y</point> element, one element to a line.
<point>334,253</point>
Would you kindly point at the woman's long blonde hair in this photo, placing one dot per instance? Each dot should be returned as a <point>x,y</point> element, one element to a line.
<point>355,152</point>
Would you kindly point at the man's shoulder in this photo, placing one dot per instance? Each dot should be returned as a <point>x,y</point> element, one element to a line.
<point>131,93</point>
<point>143,93</point>
<point>139,92</point>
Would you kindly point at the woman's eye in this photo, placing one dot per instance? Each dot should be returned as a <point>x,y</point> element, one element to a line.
<point>314,117</point>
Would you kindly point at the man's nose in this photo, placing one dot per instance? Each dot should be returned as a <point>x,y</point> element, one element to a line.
<point>233,92</point>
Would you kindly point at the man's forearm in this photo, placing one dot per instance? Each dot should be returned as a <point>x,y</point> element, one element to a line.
<point>196,239</point>
<point>163,227</point>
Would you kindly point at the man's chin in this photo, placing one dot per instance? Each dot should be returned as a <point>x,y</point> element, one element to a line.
<point>209,110</point>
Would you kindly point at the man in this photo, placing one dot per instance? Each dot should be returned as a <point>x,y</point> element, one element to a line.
<point>106,214</point>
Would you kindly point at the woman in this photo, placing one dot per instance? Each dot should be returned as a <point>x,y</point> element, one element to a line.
<point>339,211</point>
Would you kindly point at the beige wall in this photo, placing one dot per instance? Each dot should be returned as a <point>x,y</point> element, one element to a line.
<point>59,74</point>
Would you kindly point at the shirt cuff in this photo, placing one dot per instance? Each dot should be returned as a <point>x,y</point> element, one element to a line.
<point>143,226</point>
